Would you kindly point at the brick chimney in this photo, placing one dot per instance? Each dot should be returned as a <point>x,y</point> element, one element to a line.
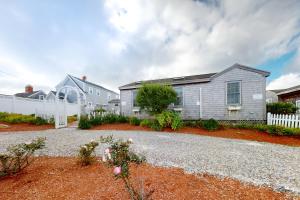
<point>83,78</point>
<point>28,89</point>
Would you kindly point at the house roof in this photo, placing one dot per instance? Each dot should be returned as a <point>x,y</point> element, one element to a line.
<point>114,101</point>
<point>90,83</point>
<point>287,90</point>
<point>27,94</point>
<point>201,78</point>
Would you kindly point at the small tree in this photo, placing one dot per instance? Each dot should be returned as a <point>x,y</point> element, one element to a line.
<point>155,98</point>
<point>282,108</point>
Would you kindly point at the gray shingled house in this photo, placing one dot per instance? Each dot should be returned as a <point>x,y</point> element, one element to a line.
<point>236,93</point>
<point>95,95</point>
<point>31,94</point>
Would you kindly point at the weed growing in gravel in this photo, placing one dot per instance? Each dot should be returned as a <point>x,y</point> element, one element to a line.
<point>119,156</point>
<point>87,155</point>
<point>19,156</point>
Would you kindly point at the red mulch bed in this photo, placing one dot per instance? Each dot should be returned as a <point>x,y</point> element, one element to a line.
<point>23,127</point>
<point>61,178</point>
<point>243,134</point>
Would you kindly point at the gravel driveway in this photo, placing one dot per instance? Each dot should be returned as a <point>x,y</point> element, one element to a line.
<point>260,163</point>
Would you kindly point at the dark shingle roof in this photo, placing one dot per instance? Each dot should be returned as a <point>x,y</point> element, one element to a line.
<point>26,94</point>
<point>173,81</point>
<point>90,83</point>
<point>202,78</point>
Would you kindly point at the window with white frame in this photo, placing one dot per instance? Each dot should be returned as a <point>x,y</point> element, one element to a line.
<point>90,90</point>
<point>179,99</point>
<point>233,93</point>
<point>90,104</point>
<point>108,96</point>
<point>298,105</point>
<point>98,92</point>
<point>134,93</point>
<point>41,97</point>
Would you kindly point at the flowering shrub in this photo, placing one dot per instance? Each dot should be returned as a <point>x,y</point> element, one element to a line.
<point>87,154</point>
<point>119,156</point>
<point>19,156</point>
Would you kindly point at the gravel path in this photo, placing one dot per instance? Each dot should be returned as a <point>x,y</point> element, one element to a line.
<point>260,163</point>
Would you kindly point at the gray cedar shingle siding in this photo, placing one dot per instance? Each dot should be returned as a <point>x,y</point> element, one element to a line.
<point>214,96</point>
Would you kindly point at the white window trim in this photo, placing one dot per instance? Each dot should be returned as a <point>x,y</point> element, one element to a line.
<point>98,92</point>
<point>226,97</point>
<point>298,105</point>
<point>183,101</point>
<point>41,97</point>
<point>91,89</point>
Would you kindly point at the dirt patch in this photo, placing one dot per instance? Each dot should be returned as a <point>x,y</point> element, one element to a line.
<point>5,127</point>
<point>243,134</point>
<point>61,178</point>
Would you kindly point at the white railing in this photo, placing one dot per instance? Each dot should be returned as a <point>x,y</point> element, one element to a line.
<point>290,121</point>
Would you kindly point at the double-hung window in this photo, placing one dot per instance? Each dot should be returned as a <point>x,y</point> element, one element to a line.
<point>90,90</point>
<point>233,93</point>
<point>98,92</point>
<point>179,99</point>
<point>134,103</point>
<point>298,105</point>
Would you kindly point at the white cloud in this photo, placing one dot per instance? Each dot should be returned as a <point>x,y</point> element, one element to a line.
<point>285,81</point>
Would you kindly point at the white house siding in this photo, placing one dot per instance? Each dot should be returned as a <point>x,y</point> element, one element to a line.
<point>214,98</point>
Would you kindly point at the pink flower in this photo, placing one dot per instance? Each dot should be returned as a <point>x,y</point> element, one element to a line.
<point>117,170</point>
<point>107,151</point>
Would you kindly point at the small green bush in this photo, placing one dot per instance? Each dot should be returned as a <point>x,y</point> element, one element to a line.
<point>84,123</point>
<point>261,127</point>
<point>210,124</point>
<point>134,121</point>
<point>122,119</point>
<point>282,108</point>
<point>110,118</point>
<point>19,156</point>
<point>169,119</point>
<point>156,126</point>
<point>146,123</point>
<point>94,121</point>
<point>275,130</point>
<point>86,154</point>
<point>40,121</point>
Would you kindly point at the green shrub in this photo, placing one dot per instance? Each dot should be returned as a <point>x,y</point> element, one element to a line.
<point>155,98</point>
<point>110,118</point>
<point>94,121</point>
<point>146,123</point>
<point>169,119</point>
<point>84,123</point>
<point>291,131</point>
<point>155,125</point>
<point>281,108</point>
<point>261,127</point>
<point>40,121</point>
<point>210,124</point>
<point>86,154</point>
<point>275,130</point>
<point>19,156</point>
<point>134,121</point>
<point>122,119</point>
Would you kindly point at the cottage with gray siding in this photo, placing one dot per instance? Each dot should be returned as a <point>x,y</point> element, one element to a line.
<point>94,95</point>
<point>237,93</point>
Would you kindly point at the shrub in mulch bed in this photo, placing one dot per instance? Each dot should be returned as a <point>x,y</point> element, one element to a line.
<point>19,156</point>
<point>61,178</point>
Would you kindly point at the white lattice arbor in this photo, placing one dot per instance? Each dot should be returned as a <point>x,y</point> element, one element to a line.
<point>61,117</point>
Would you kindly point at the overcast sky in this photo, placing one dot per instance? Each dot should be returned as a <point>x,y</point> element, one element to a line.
<point>114,42</point>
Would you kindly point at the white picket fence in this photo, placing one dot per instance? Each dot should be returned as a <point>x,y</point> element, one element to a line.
<point>290,121</point>
<point>27,106</point>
